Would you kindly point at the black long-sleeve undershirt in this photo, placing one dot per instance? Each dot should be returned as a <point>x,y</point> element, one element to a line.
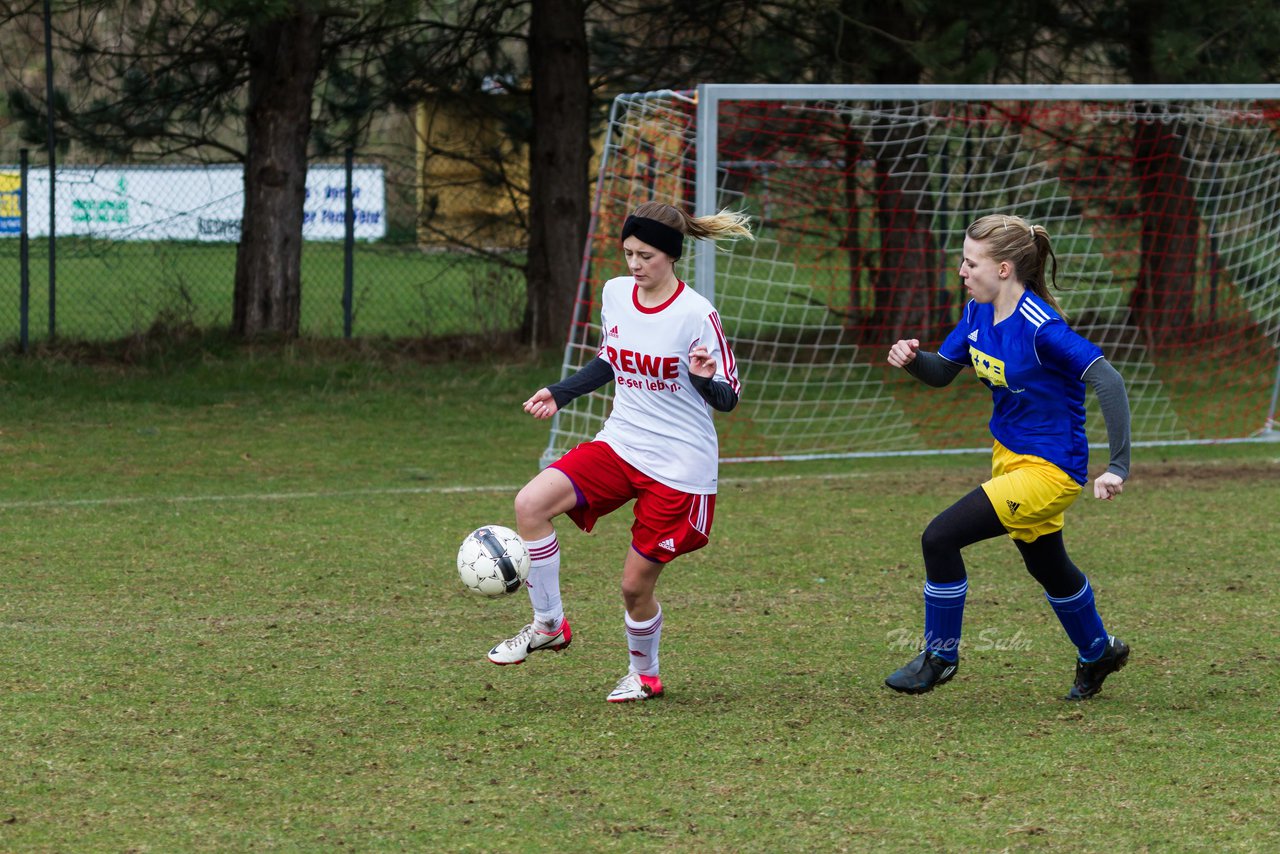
<point>718,395</point>
<point>593,375</point>
<point>598,373</point>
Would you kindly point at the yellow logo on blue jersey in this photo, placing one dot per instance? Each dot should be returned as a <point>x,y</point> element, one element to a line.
<point>988,368</point>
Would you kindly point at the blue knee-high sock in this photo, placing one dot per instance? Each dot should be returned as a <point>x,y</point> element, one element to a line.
<point>1079,616</point>
<point>943,615</point>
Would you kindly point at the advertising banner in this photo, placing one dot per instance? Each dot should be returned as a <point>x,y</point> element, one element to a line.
<point>10,202</point>
<point>184,202</point>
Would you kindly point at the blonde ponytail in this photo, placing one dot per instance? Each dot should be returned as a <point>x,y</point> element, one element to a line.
<point>725,225</point>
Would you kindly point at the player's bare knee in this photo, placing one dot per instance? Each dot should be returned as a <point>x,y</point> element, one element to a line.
<point>531,510</point>
<point>634,595</point>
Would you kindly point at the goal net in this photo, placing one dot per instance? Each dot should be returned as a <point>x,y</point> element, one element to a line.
<point>1163,207</point>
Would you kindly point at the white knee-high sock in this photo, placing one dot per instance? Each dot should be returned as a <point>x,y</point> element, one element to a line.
<point>642,643</point>
<point>543,583</point>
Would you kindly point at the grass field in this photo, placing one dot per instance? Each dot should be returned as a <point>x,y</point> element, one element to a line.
<point>107,290</point>
<point>231,621</point>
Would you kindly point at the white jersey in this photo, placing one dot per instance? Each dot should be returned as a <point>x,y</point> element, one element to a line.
<point>659,423</point>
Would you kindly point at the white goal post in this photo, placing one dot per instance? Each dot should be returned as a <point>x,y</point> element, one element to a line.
<point>1162,203</point>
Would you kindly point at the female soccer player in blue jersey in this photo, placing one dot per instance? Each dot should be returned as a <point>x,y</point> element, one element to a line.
<point>1014,336</point>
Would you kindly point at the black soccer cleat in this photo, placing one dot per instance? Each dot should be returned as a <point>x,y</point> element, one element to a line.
<point>923,673</point>
<point>1089,674</point>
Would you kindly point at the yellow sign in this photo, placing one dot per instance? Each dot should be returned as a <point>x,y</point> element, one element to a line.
<point>10,202</point>
<point>10,194</point>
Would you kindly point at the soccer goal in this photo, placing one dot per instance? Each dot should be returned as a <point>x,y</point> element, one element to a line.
<point>1163,205</point>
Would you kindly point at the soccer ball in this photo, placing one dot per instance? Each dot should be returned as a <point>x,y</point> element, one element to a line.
<point>493,561</point>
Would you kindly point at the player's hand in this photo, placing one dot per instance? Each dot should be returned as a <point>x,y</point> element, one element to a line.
<point>1108,486</point>
<point>904,352</point>
<point>700,362</point>
<point>541,405</point>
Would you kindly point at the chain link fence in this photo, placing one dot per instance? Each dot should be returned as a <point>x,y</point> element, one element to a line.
<point>144,247</point>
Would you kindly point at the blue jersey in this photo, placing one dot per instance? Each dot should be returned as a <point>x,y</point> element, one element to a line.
<point>1033,363</point>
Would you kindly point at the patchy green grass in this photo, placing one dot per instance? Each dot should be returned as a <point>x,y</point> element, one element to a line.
<point>106,290</point>
<point>230,620</point>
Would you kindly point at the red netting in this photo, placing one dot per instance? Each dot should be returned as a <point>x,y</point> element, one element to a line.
<point>1164,217</point>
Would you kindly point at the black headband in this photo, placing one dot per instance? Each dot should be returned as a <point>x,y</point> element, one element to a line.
<point>659,235</point>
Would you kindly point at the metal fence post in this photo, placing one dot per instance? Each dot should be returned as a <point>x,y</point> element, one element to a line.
<point>348,249</point>
<point>53,173</point>
<point>24,254</point>
<point>53,181</point>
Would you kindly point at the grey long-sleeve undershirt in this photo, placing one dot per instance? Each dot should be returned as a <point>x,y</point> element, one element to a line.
<point>1106,382</point>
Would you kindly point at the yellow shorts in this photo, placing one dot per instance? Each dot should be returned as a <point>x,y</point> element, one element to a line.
<point>1030,494</point>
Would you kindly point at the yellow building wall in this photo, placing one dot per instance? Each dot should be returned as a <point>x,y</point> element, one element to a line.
<point>462,197</point>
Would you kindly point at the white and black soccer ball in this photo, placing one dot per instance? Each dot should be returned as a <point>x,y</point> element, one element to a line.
<point>493,561</point>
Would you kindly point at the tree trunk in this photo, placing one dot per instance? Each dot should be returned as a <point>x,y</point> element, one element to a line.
<point>906,289</point>
<point>559,164</point>
<point>1163,302</point>
<point>284,60</point>
<point>850,236</point>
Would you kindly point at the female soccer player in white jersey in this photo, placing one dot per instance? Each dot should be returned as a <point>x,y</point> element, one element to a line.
<point>1014,336</point>
<point>662,346</point>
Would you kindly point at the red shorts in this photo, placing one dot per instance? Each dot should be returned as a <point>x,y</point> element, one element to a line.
<point>668,522</point>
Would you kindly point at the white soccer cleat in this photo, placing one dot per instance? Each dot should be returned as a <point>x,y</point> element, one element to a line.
<point>515,650</point>
<point>635,686</point>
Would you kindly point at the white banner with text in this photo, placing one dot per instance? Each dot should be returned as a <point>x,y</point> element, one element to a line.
<point>182,202</point>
